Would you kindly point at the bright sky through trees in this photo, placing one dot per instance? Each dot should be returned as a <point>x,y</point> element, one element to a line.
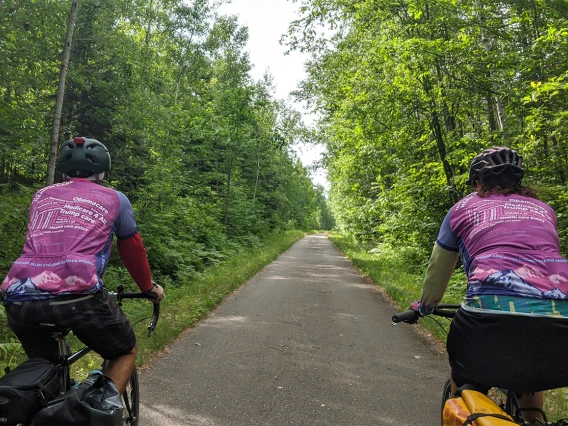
<point>267,21</point>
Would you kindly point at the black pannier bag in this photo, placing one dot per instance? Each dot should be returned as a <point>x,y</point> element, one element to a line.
<point>27,389</point>
<point>94,402</point>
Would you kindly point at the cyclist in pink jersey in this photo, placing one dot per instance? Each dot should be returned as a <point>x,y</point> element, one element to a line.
<point>58,277</point>
<point>511,329</point>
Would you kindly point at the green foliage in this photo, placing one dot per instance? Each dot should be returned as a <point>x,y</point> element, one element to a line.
<point>409,92</point>
<point>202,151</point>
<point>14,204</point>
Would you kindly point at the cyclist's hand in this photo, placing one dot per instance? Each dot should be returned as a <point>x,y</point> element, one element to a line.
<point>156,292</point>
<point>415,306</point>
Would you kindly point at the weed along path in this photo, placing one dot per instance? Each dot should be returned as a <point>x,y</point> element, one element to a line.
<point>308,341</point>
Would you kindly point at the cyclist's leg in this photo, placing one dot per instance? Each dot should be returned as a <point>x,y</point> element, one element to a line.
<point>469,350</point>
<point>24,320</point>
<point>120,369</point>
<point>130,398</point>
<point>101,325</point>
<point>453,387</point>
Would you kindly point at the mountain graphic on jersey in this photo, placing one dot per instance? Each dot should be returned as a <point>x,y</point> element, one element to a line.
<point>554,294</point>
<point>25,287</point>
<point>44,284</point>
<point>511,282</point>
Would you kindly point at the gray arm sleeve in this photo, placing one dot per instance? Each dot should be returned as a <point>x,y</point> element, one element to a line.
<point>440,269</point>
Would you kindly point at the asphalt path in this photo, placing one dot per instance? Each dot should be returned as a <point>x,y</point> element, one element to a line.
<point>307,341</point>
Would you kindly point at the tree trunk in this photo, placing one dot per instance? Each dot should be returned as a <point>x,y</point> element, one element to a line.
<point>438,135</point>
<point>60,93</point>
<point>491,113</point>
<point>257,174</point>
<point>561,159</point>
<point>149,26</point>
<point>228,193</point>
<point>496,109</point>
<point>436,127</point>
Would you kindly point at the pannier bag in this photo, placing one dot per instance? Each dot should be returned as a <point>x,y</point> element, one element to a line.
<point>473,408</point>
<point>94,402</point>
<point>26,390</point>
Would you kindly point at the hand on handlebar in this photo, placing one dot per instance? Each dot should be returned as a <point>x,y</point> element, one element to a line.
<point>415,306</point>
<point>156,293</point>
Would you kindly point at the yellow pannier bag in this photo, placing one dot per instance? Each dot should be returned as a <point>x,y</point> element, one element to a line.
<point>474,409</point>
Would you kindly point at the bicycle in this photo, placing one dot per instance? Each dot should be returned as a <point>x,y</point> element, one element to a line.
<point>506,400</point>
<point>130,397</point>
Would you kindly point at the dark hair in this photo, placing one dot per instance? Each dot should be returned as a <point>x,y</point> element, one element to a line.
<point>505,184</point>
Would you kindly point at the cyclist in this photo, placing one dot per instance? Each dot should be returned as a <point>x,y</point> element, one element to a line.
<point>58,277</point>
<point>511,329</point>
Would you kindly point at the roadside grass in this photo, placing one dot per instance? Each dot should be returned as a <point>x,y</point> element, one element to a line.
<point>184,305</point>
<point>390,271</point>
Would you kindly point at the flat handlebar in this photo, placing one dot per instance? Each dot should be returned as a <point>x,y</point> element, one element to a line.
<point>411,316</point>
<point>406,316</point>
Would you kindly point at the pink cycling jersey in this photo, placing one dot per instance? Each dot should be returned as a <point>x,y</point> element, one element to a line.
<point>69,238</point>
<point>509,246</point>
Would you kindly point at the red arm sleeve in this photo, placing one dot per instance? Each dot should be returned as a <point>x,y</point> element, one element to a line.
<point>133,255</point>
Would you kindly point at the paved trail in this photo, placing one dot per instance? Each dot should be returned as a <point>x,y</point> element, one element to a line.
<point>306,342</point>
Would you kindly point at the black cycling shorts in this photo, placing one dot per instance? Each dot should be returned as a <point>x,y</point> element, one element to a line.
<point>516,352</point>
<point>95,319</point>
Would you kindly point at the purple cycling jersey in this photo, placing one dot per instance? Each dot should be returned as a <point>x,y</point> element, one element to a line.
<point>69,238</point>
<point>509,246</point>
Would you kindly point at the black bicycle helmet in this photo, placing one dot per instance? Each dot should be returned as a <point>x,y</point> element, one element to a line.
<point>84,157</point>
<point>496,160</point>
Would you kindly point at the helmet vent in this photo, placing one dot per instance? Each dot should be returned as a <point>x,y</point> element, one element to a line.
<point>496,161</point>
<point>84,157</point>
<point>92,159</point>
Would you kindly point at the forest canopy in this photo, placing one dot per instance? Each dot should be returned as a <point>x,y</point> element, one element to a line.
<point>203,151</point>
<point>408,92</point>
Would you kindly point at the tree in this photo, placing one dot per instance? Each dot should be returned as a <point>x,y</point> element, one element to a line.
<point>60,91</point>
<point>409,92</point>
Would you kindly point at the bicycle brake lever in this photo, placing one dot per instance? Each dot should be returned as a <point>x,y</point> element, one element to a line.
<point>154,320</point>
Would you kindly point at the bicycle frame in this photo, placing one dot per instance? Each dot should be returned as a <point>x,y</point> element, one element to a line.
<point>67,358</point>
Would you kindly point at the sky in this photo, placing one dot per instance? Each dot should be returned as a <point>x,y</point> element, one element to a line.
<point>267,21</point>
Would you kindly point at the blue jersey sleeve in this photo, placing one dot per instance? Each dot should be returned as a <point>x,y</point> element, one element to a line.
<point>447,239</point>
<point>125,222</point>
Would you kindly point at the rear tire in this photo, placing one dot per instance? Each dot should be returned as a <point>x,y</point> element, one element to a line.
<point>446,394</point>
<point>131,401</point>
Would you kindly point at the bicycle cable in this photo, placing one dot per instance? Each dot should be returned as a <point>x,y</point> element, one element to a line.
<point>139,321</point>
<point>437,322</point>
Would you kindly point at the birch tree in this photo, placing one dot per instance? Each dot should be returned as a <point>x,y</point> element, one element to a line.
<point>53,150</point>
